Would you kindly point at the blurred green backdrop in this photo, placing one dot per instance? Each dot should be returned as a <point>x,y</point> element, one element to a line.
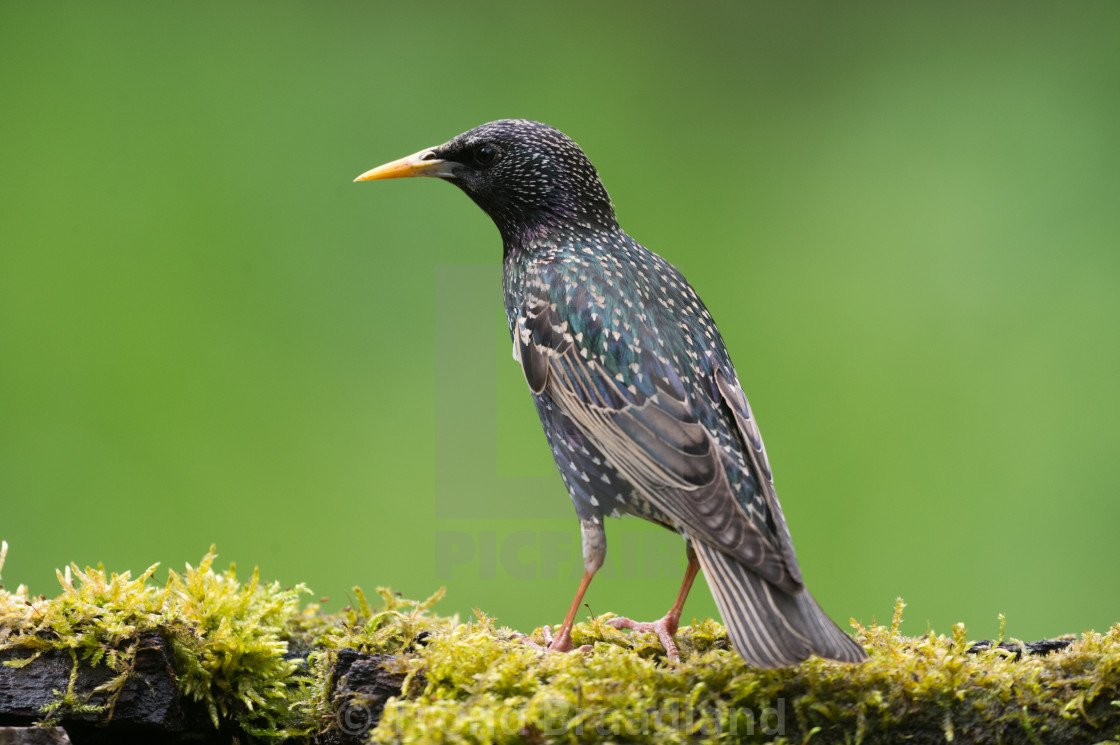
<point>904,217</point>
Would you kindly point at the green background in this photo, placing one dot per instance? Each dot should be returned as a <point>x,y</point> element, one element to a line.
<point>904,217</point>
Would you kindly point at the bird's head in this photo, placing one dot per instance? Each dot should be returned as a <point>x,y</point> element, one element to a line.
<point>526,175</point>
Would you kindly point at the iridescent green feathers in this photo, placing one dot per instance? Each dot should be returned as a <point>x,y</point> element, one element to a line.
<point>616,338</point>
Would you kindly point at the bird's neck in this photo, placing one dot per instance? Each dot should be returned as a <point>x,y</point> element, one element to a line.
<point>525,234</point>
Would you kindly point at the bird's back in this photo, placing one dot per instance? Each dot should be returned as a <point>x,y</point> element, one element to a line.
<point>642,341</point>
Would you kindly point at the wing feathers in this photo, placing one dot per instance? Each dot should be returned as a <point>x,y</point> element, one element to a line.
<point>674,449</point>
<point>653,436</point>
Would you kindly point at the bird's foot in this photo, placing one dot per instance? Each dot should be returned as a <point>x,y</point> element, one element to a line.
<point>663,627</point>
<point>562,643</point>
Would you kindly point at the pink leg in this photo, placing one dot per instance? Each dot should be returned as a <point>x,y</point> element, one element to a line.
<point>563,640</point>
<point>667,626</point>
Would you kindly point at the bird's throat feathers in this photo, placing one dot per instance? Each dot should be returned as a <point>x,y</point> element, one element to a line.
<point>522,226</point>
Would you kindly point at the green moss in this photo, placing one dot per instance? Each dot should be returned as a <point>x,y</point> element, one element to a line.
<point>481,689</point>
<point>231,640</point>
<point>473,683</point>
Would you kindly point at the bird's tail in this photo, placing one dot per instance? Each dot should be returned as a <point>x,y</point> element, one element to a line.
<point>767,627</point>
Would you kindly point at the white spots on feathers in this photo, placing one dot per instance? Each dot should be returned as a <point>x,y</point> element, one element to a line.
<point>614,322</point>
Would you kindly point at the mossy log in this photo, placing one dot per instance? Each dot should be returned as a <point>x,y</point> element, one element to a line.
<point>146,706</point>
<point>208,658</point>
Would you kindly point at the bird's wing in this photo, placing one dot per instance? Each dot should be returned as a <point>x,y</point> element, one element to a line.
<point>765,506</point>
<point>632,403</point>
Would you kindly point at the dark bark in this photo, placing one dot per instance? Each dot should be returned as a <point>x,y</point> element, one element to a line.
<point>361,686</point>
<point>1041,648</point>
<point>148,709</point>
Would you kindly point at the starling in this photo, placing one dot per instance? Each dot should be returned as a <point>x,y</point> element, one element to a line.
<point>635,390</point>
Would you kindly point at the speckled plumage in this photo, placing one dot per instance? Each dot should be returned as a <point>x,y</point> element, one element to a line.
<point>633,384</point>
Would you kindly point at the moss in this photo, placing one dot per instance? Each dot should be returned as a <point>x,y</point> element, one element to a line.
<point>253,657</point>
<point>926,689</point>
<point>236,644</point>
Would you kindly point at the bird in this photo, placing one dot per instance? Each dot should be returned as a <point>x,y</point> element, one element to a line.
<point>635,389</point>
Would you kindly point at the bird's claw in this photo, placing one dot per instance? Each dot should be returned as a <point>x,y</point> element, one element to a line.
<point>562,643</point>
<point>663,627</point>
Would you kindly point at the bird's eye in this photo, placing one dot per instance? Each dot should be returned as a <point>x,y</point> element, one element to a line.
<point>484,154</point>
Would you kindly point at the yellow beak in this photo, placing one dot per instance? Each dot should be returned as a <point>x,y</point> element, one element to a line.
<point>423,163</point>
